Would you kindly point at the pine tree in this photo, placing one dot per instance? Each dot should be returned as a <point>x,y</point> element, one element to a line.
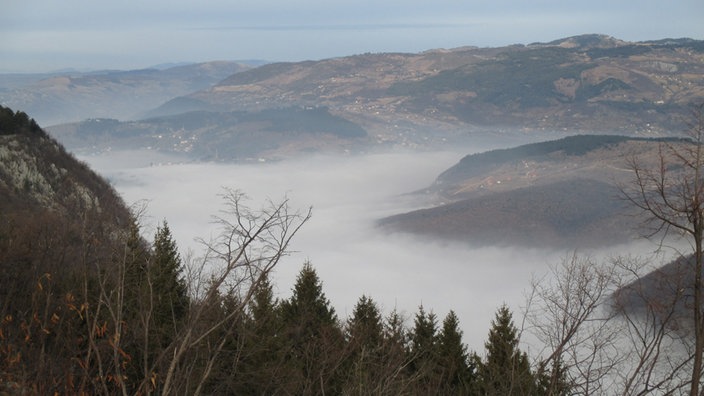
<point>308,302</point>
<point>458,374</point>
<point>132,309</point>
<point>262,308</point>
<point>365,358</point>
<point>395,335</point>
<point>259,366</point>
<point>314,339</point>
<point>424,335</point>
<point>156,299</point>
<point>134,261</point>
<point>505,370</point>
<point>227,375</point>
<point>424,352</point>
<point>364,328</point>
<point>552,380</point>
<point>169,289</point>
<point>396,355</point>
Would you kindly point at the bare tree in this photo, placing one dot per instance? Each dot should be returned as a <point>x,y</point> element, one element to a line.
<point>566,314</point>
<point>221,284</point>
<point>250,245</point>
<point>671,196</point>
<point>605,331</point>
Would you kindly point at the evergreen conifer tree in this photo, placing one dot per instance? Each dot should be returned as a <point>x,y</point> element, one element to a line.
<point>365,328</point>
<point>154,302</point>
<point>396,354</point>
<point>552,380</point>
<point>169,289</point>
<point>132,309</point>
<point>424,352</point>
<point>259,367</point>
<point>505,370</point>
<point>424,335</point>
<point>314,340</point>
<point>395,335</point>
<point>458,373</point>
<point>365,356</point>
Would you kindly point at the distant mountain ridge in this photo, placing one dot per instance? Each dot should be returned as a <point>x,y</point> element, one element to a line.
<point>74,96</point>
<point>587,84</point>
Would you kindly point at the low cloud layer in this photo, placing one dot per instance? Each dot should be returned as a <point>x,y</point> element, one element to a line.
<point>351,256</point>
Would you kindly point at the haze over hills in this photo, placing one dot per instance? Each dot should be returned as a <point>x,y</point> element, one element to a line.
<point>555,195</point>
<point>590,83</point>
<point>60,97</point>
<point>587,83</point>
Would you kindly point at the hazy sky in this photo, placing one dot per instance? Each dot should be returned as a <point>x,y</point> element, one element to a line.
<point>42,35</point>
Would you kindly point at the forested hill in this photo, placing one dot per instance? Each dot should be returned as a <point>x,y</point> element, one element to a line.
<point>583,84</point>
<point>58,218</point>
<point>87,306</point>
<point>63,232</point>
<point>563,193</point>
<point>572,146</point>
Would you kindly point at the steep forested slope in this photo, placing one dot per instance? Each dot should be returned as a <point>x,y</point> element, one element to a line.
<point>61,228</point>
<point>88,307</point>
<point>38,174</point>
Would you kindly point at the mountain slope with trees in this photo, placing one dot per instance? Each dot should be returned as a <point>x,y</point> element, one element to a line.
<point>588,83</point>
<point>564,193</point>
<point>222,136</point>
<point>584,84</point>
<point>89,306</point>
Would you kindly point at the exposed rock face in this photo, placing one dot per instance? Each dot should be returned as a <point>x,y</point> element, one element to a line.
<point>57,217</point>
<point>36,172</point>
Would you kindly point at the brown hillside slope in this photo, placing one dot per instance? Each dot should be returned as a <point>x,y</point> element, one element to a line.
<point>563,193</point>
<point>588,83</point>
<point>58,219</point>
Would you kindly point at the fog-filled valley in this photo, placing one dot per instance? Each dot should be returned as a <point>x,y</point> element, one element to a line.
<point>354,257</point>
<point>518,220</point>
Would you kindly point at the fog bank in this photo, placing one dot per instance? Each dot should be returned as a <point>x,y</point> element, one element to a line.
<point>347,194</point>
